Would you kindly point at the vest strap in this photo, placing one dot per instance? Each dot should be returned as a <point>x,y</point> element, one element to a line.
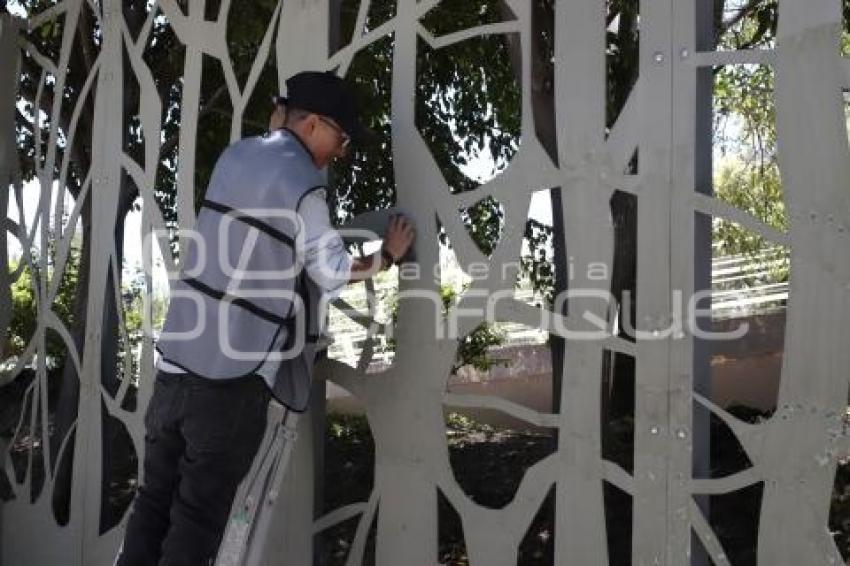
<point>239,301</point>
<point>250,220</point>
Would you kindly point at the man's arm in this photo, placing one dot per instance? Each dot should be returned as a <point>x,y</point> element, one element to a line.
<point>325,257</point>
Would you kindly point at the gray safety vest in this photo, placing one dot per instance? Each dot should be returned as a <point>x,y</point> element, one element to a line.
<point>242,288</point>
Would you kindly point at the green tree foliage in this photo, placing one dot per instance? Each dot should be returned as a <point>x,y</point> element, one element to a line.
<point>474,349</point>
<point>745,134</point>
<point>24,322</point>
<point>757,191</point>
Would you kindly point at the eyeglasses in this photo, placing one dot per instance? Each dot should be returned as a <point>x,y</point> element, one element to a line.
<point>346,139</point>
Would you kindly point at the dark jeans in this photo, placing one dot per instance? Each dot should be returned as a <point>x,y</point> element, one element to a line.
<point>202,436</point>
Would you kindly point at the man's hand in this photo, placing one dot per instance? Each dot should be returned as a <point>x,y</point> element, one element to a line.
<point>399,237</point>
<point>397,241</point>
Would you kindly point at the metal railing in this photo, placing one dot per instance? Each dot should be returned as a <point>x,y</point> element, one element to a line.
<point>742,285</point>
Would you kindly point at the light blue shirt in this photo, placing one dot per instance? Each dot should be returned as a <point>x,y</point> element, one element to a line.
<point>323,256</point>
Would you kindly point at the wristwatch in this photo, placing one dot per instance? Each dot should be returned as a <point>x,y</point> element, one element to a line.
<point>388,257</point>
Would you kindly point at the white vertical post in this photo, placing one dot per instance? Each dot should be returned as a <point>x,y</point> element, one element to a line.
<point>652,373</point>
<point>580,94</point>
<point>106,170</point>
<point>690,270</point>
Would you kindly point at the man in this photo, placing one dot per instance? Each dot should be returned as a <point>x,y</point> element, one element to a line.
<point>244,318</point>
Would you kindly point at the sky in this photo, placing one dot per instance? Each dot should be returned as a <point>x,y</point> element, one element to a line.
<point>16,9</point>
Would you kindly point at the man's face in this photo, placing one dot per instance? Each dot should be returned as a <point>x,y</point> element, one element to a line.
<point>330,140</point>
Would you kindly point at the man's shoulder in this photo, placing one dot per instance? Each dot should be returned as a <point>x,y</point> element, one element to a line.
<point>276,152</point>
<point>253,144</point>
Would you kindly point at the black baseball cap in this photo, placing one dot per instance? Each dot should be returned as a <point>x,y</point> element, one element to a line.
<point>326,94</point>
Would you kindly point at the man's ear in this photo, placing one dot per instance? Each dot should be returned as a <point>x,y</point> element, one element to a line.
<point>311,121</point>
<point>278,118</point>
